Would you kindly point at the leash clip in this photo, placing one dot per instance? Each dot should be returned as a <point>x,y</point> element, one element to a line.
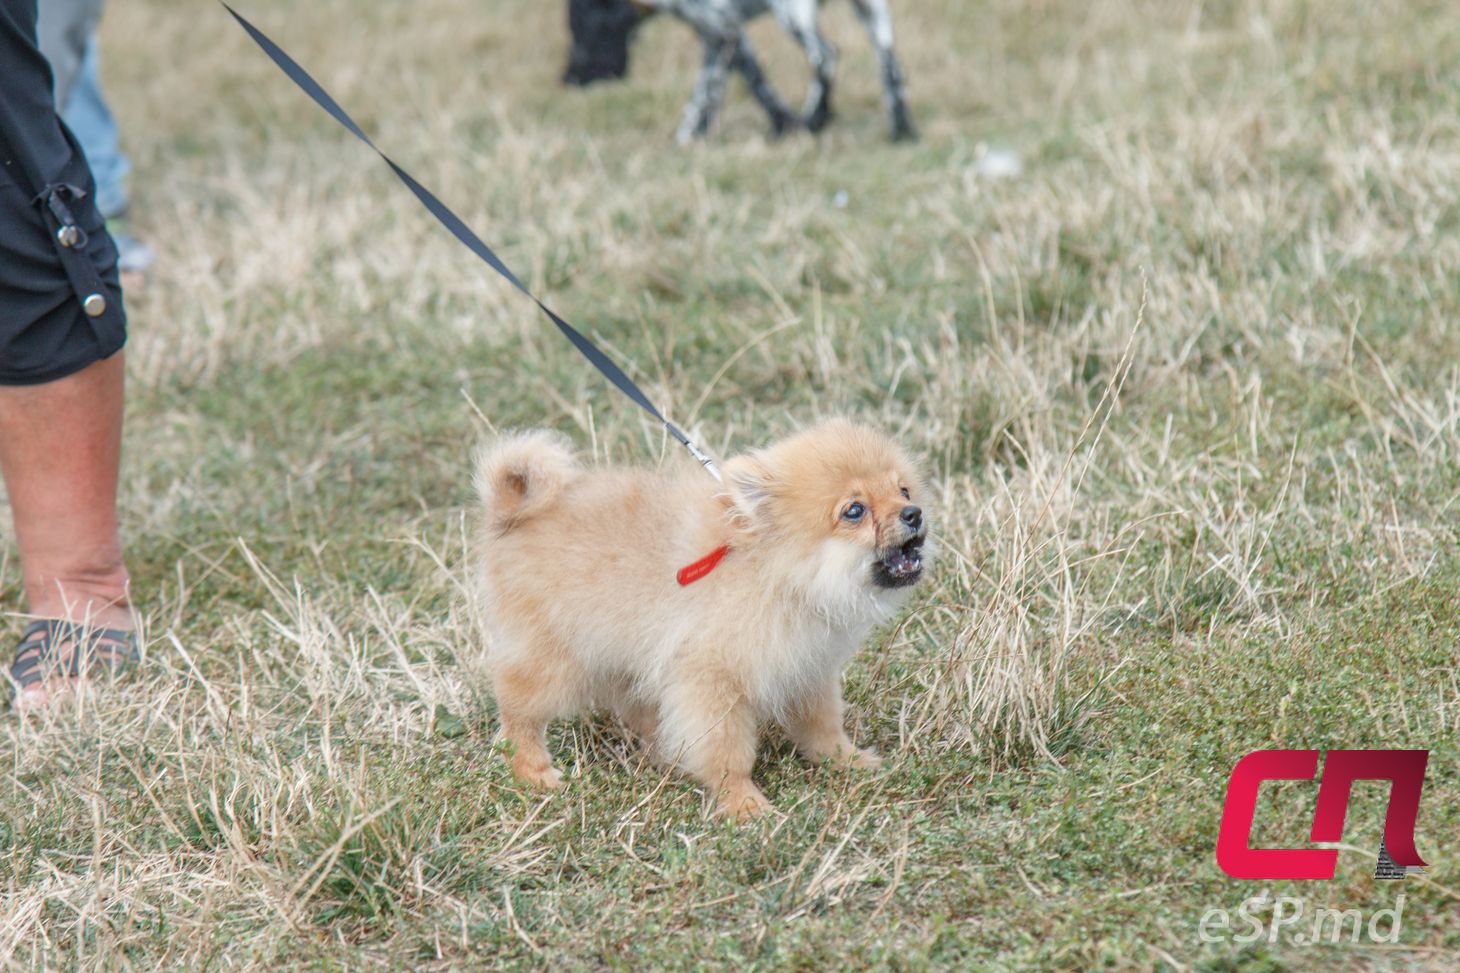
<point>704,460</point>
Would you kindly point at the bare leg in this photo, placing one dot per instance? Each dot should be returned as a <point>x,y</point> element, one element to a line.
<point>715,742</point>
<point>60,448</point>
<point>817,725</point>
<point>877,20</point>
<point>709,91</point>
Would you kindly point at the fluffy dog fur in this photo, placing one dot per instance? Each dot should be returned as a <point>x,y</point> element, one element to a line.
<point>602,30</point>
<point>577,570</point>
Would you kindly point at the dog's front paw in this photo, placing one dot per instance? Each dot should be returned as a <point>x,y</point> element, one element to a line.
<point>742,805</point>
<point>543,776</point>
<point>867,759</point>
<point>845,757</point>
<point>550,781</point>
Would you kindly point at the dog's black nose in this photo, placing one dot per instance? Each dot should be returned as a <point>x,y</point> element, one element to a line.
<point>913,517</point>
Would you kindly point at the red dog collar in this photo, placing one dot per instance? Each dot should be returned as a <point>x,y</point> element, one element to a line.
<point>691,573</point>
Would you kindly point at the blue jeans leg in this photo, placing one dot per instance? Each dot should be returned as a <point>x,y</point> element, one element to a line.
<point>90,118</point>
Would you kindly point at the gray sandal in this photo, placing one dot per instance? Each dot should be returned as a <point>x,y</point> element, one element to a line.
<point>90,649</point>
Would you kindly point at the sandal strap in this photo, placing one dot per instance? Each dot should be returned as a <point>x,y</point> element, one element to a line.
<point>21,672</point>
<point>37,632</point>
<point>35,640</point>
<point>113,648</point>
<point>62,630</point>
<point>39,625</point>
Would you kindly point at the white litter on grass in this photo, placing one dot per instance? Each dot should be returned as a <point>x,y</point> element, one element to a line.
<point>839,199</point>
<point>998,163</point>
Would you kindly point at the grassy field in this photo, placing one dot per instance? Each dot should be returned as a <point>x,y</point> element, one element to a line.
<point>1188,387</point>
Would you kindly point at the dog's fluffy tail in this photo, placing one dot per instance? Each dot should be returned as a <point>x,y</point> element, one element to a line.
<point>520,474</point>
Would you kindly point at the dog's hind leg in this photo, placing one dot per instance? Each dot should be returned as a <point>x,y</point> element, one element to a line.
<point>529,693</point>
<point>709,91</point>
<point>640,717</point>
<point>744,61</point>
<point>798,17</point>
<point>877,19</point>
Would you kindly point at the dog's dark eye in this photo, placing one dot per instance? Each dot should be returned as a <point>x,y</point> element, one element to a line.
<point>854,512</point>
<point>905,494</point>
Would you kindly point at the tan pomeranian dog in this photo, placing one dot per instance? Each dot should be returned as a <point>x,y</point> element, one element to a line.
<point>696,613</point>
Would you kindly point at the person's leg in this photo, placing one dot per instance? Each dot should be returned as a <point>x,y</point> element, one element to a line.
<point>90,119</point>
<point>62,30</point>
<point>60,446</point>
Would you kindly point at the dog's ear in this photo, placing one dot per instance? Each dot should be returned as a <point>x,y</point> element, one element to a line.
<point>747,487</point>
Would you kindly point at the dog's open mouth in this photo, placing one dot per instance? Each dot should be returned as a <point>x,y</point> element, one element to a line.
<point>900,566</point>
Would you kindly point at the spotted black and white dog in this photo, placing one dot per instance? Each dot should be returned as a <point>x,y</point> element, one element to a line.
<point>602,30</point>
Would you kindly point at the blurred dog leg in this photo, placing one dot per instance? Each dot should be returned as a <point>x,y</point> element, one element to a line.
<point>744,61</point>
<point>709,93</point>
<point>877,19</point>
<point>799,19</point>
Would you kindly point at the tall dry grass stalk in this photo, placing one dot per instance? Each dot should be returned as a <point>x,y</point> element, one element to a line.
<point>1022,674</point>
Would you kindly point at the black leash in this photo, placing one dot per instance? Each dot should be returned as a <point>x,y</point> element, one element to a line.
<point>472,242</point>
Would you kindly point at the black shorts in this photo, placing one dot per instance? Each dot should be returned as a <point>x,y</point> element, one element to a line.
<point>45,330</point>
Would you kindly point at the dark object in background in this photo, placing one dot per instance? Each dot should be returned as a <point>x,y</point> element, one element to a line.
<point>603,29</point>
